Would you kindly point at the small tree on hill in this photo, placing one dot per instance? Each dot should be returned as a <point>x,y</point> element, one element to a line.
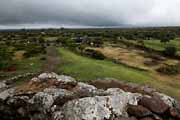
<point>170,51</point>
<point>166,37</point>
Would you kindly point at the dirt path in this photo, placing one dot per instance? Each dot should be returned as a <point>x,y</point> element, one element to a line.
<point>52,59</point>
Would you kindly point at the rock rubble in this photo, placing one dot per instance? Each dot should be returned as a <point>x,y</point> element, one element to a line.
<point>57,97</point>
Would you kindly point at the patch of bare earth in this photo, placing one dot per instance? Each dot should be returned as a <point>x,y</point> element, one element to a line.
<point>52,59</point>
<point>19,55</point>
<point>136,58</point>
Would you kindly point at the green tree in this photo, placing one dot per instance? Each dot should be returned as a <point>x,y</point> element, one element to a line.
<point>170,51</point>
<point>166,37</point>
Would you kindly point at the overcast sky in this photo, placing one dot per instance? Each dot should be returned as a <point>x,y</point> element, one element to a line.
<point>55,13</point>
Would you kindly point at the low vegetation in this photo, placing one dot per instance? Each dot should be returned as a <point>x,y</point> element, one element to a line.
<point>170,69</point>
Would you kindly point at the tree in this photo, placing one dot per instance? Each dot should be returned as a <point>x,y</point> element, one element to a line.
<point>166,37</point>
<point>41,40</point>
<point>170,51</point>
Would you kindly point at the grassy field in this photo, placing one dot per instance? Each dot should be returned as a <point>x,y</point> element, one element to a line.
<point>26,65</point>
<point>84,69</point>
<point>32,64</point>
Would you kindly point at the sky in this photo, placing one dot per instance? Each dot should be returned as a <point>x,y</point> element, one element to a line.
<point>88,13</point>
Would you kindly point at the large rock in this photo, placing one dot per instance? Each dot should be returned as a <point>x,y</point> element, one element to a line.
<point>98,107</point>
<point>56,113</point>
<point>66,82</point>
<point>114,91</point>
<point>85,87</point>
<point>20,105</point>
<point>85,90</point>
<point>138,111</point>
<point>147,118</point>
<point>65,79</point>
<point>46,76</point>
<point>175,112</point>
<point>7,93</point>
<point>133,98</point>
<point>43,76</point>
<point>154,104</point>
<point>177,105</point>
<point>42,102</point>
<point>46,80</point>
<point>2,85</point>
<point>107,83</point>
<point>47,98</point>
<point>167,99</point>
<point>147,89</point>
<point>7,112</point>
<point>124,118</point>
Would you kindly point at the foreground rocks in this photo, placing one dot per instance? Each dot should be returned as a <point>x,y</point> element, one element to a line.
<point>154,104</point>
<point>57,97</point>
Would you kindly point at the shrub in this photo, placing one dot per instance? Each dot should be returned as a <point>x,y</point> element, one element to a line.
<point>94,54</point>
<point>33,50</point>
<point>170,51</point>
<point>170,69</point>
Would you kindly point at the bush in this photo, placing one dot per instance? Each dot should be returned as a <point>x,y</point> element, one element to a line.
<point>33,50</point>
<point>170,51</point>
<point>94,54</point>
<point>170,69</point>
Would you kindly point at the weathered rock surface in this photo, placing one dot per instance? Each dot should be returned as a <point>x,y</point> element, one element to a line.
<point>57,97</point>
<point>138,111</point>
<point>7,93</point>
<point>155,104</point>
<point>98,107</point>
<point>166,99</point>
<point>2,85</point>
<point>7,112</point>
<point>147,118</point>
<point>175,111</point>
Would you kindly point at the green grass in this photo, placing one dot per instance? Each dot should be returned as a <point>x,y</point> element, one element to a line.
<point>25,65</point>
<point>83,68</point>
<point>155,44</point>
<point>33,64</point>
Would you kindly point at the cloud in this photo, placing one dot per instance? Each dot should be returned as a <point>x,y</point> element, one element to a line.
<point>89,12</point>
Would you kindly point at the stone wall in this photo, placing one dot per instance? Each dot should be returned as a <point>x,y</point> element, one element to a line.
<point>57,97</point>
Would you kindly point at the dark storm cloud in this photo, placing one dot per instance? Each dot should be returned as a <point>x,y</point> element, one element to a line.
<point>89,12</point>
